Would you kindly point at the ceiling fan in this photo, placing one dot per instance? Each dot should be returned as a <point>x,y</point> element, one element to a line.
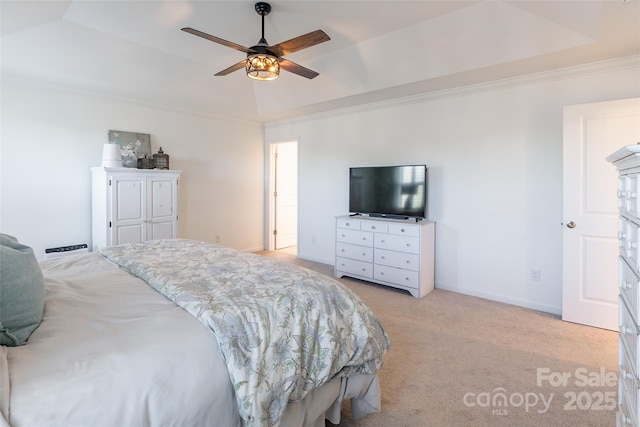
<point>263,61</point>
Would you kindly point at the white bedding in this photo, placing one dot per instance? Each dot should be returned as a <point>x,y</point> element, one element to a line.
<point>111,351</point>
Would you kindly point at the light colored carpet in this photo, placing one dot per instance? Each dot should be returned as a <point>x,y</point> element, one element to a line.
<point>453,356</point>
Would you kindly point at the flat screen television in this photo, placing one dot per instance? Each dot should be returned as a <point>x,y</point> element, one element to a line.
<point>389,191</point>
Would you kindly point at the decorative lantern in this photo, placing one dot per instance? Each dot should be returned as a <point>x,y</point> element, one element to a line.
<point>161,160</point>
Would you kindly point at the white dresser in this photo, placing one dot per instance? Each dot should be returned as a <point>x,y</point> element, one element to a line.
<point>397,253</point>
<point>133,205</point>
<point>627,161</point>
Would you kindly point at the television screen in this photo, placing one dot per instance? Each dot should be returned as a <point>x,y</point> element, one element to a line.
<point>393,191</point>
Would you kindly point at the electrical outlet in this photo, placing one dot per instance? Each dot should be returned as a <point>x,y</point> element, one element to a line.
<point>217,238</point>
<point>313,240</point>
<point>535,275</point>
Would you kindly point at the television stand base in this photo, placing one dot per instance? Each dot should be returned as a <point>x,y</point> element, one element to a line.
<point>388,216</point>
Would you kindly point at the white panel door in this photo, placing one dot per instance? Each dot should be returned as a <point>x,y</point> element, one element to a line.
<point>128,210</point>
<point>590,211</point>
<point>162,202</point>
<point>286,195</point>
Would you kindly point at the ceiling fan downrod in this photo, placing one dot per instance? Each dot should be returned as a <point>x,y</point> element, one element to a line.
<point>263,9</point>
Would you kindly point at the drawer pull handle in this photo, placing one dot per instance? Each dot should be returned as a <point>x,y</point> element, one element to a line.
<point>625,330</point>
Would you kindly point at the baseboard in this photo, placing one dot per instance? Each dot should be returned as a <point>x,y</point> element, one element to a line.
<point>501,298</point>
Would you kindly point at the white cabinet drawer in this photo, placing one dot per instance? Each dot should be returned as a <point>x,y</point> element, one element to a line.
<point>621,194</point>
<point>356,237</point>
<point>630,237</point>
<point>397,276</point>
<point>360,253</point>
<point>397,243</point>
<point>631,194</point>
<point>357,268</point>
<point>397,259</point>
<point>628,284</point>
<point>377,226</point>
<point>628,395</point>
<point>404,229</point>
<point>628,330</point>
<point>353,224</point>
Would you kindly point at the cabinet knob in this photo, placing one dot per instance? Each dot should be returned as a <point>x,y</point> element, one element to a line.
<point>373,227</point>
<point>406,279</point>
<point>347,224</point>
<point>624,285</point>
<point>364,254</point>
<point>402,230</point>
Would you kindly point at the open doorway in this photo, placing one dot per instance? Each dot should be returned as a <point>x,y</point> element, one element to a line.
<point>283,199</point>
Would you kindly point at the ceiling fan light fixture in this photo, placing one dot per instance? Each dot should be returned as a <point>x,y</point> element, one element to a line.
<point>262,66</point>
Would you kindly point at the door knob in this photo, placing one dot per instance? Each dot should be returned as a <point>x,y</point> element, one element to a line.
<point>571,224</point>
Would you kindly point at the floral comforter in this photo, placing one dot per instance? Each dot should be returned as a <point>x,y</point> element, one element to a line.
<point>283,330</point>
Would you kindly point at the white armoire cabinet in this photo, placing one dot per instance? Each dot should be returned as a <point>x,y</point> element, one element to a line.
<point>133,205</point>
<point>627,161</point>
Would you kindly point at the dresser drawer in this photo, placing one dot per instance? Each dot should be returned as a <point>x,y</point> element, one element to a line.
<point>352,266</point>
<point>353,224</point>
<point>397,243</point>
<point>356,237</point>
<point>404,229</point>
<point>360,253</point>
<point>630,243</point>
<point>628,395</point>
<point>621,194</point>
<point>397,276</point>
<point>631,194</point>
<point>397,259</point>
<point>628,330</point>
<point>376,226</point>
<point>628,283</point>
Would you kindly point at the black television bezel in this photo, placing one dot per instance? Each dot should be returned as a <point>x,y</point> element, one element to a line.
<point>392,215</point>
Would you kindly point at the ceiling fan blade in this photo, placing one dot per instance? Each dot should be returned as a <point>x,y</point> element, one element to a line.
<point>231,69</point>
<point>298,43</point>
<point>294,68</point>
<point>217,40</point>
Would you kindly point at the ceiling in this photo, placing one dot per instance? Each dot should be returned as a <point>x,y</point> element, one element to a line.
<point>379,50</point>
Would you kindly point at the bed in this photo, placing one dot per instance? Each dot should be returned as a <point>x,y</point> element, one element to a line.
<point>186,333</point>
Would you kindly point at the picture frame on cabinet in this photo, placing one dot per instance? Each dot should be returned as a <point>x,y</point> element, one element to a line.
<point>133,146</point>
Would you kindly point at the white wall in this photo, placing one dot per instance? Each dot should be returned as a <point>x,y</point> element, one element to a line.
<point>51,136</point>
<point>494,155</point>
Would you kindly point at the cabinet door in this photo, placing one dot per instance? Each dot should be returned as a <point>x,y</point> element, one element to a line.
<point>128,210</point>
<point>162,200</point>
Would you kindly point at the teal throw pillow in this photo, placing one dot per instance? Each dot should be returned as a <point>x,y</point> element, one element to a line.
<point>22,292</point>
